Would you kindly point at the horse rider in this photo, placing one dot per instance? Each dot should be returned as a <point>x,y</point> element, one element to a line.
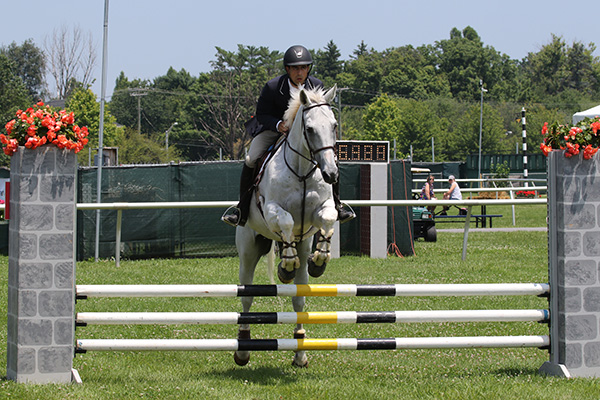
<point>271,106</point>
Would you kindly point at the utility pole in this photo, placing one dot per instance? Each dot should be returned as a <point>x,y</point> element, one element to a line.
<point>339,98</point>
<point>139,93</point>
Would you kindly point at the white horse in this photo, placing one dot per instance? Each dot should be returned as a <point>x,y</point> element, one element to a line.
<point>294,200</point>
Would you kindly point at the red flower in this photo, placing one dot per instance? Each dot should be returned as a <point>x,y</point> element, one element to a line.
<point>573,149</point>
<point>589,151</point>
<point>40,125</point>
<point>9,126</point>
<point>545,149</point>
<point>545,128</point>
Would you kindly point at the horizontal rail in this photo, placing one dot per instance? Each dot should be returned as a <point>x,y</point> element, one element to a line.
<point>84,345</point>
<point>155,205</point>
<point>468,289</point>
<point>326,317</point>
<point>503,189</point>
<point>491,180</point>
<point>354,203</point>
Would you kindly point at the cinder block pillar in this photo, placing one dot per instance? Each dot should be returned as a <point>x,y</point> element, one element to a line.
<point>574,262</point>
<point>41,287</point>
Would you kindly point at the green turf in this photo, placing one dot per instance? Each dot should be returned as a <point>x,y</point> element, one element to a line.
<point>399,374</point>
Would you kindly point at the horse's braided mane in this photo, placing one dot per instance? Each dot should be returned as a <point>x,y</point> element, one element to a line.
<point>316,95</point>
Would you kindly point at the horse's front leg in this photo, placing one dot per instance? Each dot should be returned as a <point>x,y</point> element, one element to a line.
<point>317,261</point>
<point>281,222</point>
<point>300,358</point>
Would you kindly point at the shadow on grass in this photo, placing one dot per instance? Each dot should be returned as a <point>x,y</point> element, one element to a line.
<point>264,375</point>
<point>518,372</point>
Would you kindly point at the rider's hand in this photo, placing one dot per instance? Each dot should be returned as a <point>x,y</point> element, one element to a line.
<point>282,127</point>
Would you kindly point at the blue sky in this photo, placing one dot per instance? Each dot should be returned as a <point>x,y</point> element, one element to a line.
<point>146,37</point>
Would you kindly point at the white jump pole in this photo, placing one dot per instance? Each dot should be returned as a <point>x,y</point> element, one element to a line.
<point>467,289</point>
<point>84,345</point>
<point>335,317</point>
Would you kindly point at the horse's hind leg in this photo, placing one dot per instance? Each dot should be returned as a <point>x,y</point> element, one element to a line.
<point>300,358</point>
<point>250,248</point>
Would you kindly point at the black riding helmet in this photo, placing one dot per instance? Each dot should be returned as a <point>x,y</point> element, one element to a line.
<point>297,55</point>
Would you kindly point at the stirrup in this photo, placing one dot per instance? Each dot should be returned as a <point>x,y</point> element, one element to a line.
<point>348,218</point>
<point>229,214</point>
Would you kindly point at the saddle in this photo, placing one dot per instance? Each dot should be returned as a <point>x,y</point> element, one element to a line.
<point>262,162</point>
<point>259,171</point>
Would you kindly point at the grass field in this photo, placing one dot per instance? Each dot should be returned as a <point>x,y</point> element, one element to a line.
<point>399,374</point>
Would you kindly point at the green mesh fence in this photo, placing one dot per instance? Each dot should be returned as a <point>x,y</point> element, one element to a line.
<point>199,232</point>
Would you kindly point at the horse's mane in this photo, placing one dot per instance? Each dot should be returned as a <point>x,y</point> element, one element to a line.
<point>316,95</point>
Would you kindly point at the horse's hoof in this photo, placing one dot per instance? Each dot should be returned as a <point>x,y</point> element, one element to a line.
<point>240,361</point>
<point>243,334</point>
<point>284,275</point>
<point>313,269</point>
<point>301,365</point>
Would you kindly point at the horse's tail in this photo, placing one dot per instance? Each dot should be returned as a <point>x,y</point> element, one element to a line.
<point>271,264</point>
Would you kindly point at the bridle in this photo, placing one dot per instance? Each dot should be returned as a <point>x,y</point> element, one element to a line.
<point>313,152</point>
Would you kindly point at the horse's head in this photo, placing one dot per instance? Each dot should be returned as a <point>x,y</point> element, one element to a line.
<point>320,129</point>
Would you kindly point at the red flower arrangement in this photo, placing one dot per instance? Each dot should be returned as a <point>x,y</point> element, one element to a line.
<point>525,194</point>
<point>581,137</point>
<point>40,125</point>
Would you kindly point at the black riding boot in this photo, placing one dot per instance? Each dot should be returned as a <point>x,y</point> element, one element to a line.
<point>343,214</point>
<point>239,214</point>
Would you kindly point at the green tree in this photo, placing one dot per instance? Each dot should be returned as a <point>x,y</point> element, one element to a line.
<point>327,64</point>
<point>409,73</point>
<point>382,119</point>
<point>87,113</point>
<point>361,50</point>
<point>363,76</point>
<point>411,123</point>
<point>222,100</point>
<point>465,61</point>
<point>464,139</point>
<point>141,149</point>
<point>30,65</point>
<point>559,68</point>
<point>418,125</point>
<point>124,102</point>
<point>13,92</point>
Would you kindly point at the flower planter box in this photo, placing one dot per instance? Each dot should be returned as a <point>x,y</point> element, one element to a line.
<point>574,256</point>
<point>41,266</point>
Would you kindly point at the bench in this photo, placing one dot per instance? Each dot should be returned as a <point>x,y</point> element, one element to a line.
<point>479,219</point>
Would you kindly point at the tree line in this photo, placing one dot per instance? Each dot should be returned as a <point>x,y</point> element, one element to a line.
<point>418,97</point>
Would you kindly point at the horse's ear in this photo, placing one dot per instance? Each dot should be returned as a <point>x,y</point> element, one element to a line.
<point>330,94</point>
<point>304,98</point>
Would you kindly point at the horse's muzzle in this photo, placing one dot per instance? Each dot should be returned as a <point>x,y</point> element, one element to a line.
<point>330,177</point>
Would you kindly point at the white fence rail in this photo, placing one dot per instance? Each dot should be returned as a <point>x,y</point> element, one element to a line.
<point>119,207</point>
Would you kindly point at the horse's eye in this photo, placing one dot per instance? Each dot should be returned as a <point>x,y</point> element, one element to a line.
<point>310,130</point>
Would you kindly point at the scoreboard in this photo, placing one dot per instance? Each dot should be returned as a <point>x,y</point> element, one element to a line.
<point>363,151</point>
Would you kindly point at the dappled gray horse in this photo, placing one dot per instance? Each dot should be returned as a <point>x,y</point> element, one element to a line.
<point>294,201</point>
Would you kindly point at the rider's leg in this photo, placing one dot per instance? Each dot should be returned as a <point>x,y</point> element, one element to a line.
<point>260,144</point>
<point>343,214</point>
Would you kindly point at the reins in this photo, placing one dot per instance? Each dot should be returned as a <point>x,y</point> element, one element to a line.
<point>303,178</point>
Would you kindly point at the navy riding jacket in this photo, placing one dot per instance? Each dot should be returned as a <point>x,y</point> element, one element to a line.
<point>274,98</point>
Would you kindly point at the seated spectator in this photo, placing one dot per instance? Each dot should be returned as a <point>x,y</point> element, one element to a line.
<point>427,192</point>
<point>453,193</point>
